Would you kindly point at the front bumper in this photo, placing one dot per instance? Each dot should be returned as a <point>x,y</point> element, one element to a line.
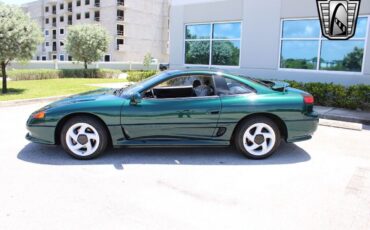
<point>300,130</point>
<point>41,134</point>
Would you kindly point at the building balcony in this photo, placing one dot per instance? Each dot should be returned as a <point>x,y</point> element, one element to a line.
<point>97,19</point>
<point>120,33</point>
<point>70,23</point>
<point>120,18</point>
<point>54,24</point>
<point>97,4</point>
<point>70,10</point>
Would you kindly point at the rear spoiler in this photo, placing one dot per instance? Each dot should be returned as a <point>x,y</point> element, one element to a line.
<point>278,85</point>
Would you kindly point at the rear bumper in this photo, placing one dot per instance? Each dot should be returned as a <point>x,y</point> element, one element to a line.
<point>41,134</point>
<point>300,130</point>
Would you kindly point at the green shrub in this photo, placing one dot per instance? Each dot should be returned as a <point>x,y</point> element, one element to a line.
<point>33,74</point>
<point>333,95</point>
<point>136,76</point>
<point>89,73</point>
<point>41,74</point>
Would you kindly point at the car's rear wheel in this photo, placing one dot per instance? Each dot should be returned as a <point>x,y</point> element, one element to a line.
<point>257,138</point>
<point>84,137</point>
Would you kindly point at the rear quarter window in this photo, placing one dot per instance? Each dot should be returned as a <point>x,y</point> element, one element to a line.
<point>227,86</point>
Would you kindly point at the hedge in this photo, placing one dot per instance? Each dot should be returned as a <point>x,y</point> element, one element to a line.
<point>41,74</point>
<point>333,95</point>
<point>136,76</point>
<point>31,74</point>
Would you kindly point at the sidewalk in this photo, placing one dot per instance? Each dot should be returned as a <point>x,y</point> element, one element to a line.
<point>343,114</point>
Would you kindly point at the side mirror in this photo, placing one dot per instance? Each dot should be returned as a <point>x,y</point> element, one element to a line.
<point>136,99</point>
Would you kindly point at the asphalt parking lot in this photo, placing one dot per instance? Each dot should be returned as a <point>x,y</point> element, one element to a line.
<point>323,183</point>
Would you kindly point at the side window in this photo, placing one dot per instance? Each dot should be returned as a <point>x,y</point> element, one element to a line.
<point>184,86</point>
<point>227,86</point>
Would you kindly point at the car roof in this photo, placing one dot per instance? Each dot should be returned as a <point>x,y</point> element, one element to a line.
<point>197,70</point>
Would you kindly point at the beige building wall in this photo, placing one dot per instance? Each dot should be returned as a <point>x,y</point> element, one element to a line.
<point>145,24</point>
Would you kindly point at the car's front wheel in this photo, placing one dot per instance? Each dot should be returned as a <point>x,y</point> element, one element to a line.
<point>84,137</point>
<point>257,138</point>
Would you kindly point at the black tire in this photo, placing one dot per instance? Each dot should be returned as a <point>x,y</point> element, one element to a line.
<point>97,125</point>
<point>245,125</point>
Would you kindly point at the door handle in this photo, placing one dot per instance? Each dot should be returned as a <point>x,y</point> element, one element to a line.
<point>214,112</point>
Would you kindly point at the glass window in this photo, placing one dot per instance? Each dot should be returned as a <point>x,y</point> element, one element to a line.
<point>197,52</point>
<point>213,44</point>
<point>183,86</point>
<point>299,54</point>
<point>361,28</point>
<point>236,87</point>
<point>226,31</point>
<point>301,29</point>
<point>342,55</point>
<point>198,31</point>
<point>303,47</point>
<point>225,53</point>
<point>226,86</point>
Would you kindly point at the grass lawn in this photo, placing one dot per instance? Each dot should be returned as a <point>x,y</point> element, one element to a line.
<point>52,87</point>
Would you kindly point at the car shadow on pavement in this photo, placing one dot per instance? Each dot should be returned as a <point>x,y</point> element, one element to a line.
<point>54,155</point>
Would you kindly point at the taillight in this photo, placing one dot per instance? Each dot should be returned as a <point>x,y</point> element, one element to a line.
<point>308,99</point>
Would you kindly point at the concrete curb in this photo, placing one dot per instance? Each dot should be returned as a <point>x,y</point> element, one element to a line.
<point>341,124</point>
<point>345,115</point>
<point>344,119</point>
<point>31,101</point>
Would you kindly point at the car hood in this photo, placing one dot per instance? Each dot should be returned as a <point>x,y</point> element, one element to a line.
<point>96,95</point>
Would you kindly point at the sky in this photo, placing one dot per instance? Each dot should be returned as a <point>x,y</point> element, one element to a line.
<point>17,2</point>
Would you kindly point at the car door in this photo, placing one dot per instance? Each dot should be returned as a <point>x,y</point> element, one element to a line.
<point>184,118</point>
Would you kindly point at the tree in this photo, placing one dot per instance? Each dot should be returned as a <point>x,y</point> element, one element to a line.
<point>147,60</point>
<point>87,43</point>
<point>353,60</point>
<point>197,52</point>
<point>19,37</point>
<point>225,53</point>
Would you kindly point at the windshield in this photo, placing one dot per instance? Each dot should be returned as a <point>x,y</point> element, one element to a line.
<point>140,86</point>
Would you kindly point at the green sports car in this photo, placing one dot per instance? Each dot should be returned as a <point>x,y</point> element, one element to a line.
<point>179,108</point>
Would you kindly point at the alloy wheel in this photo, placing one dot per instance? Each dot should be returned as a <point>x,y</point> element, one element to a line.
<point>82,139</point>
<point>259,139</point>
